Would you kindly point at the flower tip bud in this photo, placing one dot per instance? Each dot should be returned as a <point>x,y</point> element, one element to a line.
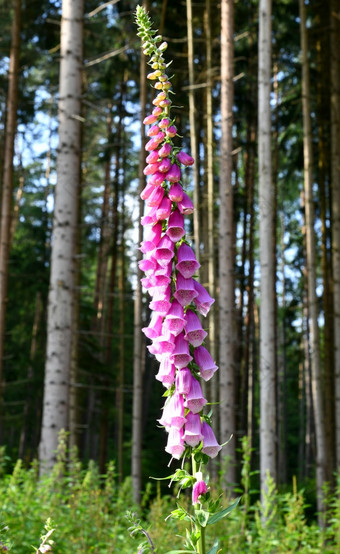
<point>162,47</point>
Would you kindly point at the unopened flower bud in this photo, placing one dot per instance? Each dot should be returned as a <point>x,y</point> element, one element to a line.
<point>157,111</point>
<point>171,131</point>
<point>165,103</point>
<point>162,47</point>
<point>185,158</point>
<point>149,119</point>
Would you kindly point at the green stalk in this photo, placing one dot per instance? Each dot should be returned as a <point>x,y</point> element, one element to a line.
<point>198,527</point>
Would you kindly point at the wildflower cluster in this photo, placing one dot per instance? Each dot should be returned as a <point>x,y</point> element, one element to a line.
<point>169,264</point>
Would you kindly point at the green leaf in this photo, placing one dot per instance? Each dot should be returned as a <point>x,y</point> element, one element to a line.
<point>202,517</point>
<point>214,549</point>
<point>223,513</point>
<point>180,551</point>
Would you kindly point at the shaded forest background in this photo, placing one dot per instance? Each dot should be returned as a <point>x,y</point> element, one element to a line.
<point>107,235</point>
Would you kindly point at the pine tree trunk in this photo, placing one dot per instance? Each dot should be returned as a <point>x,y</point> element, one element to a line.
<point>62,278</point>
<point>311,270</point>
<point>226,247</point>
<point>7,185</point>
<point>266,204</point>
<point>335,180</point>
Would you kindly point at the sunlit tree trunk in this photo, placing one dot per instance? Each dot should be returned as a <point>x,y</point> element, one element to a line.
<point>266,206</point>
<point>311,269</point>
<point>7,182</point>
<point>62,279</point>
<point>335,180</point>
<point>226,246</point>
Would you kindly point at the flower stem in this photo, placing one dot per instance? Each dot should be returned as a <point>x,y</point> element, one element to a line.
<point>198,527</point>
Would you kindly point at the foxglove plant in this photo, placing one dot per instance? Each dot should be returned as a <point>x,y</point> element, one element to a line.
<point>177,299</point>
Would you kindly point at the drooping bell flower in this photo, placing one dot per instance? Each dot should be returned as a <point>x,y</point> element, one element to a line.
<point>176,192</point>
<point>147,264</point>
<point>147,191</point>
<point>183,381</point>
<point>163,344</point>
<point>185,205</point>
<point>203,300</point>
<point>161,301</point>
<point>164,165</point>
<point>161,276</point>
<point>187,264</point>
<point>205,362</point>
<point>152,157</point>
<point>181,356</point>
<point>175,445</point>
<point>164,209</point>
<point>194,399</point>
<point>175,229</point>
<point>210,444</point>
<point>185,290</point>
<point>155,197</point>
<point>174,174</point>
<point>157,178</point>
<point>171,131</point>
<point>173,412</point>
<point>199,488</point>
<point>152,238</point>
<point>150,169</point>
<point>193,429</point>
<point>153,131</point>
<point>185,158</point>
<point>167,371</point>
<point>150,119</point>
<point>164,251</point>
<point>154,329</point>
<point>193,331</point>
<point>174,320</point>
<point>165,150</point>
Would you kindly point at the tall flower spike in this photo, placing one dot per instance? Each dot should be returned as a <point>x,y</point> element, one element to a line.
<point>169,264</point>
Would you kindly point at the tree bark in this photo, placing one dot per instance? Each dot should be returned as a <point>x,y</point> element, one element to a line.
<point>266,203</point>
<point>7,186</point>
<point>62,279</point>
<point>311,269</point>
<point>226,247</point>
<point>335,180</point>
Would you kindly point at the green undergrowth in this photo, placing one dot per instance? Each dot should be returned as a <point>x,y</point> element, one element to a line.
<point>87,513</point>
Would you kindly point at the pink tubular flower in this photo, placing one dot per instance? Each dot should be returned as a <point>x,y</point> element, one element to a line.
<point>152,237</point>
<point>176,229</point>
<point>150,169</point>
<point>146,192</point>
<point>193,429</point>
<point>171,131</point>
<point>164,251</point>
<point>166,372</point>
<point>161,301</point>
<point>163,344</point>
<point>152,157</point>
<point>183,381</point>
<point>205,362</point>
<point>154,328</point>
<point>194,399</point>
<point>173,413</point>
<point>210,444</point>
<point>150,216</point>
<point>194,332</point>
<point>156,179</point>
<point>176,192</point>
<point>165,150</point>
<point>175,445</point>
<point>187,264</point>
<point>174,174</point>
<point>164,165</point>
<point>203,300</point>
<point>199,488</point>
<point>152,144</point>
<point>149,119</point>
<point>184,158</point>
<point>147,264</point>
<point>174,319</point>
<point>185,290</point>
<point>157,111</point>
<point>164,209</point>
<point>185,206</point>
<point>155,197</point>
<point>181,355</point>
<point>153,131</point>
